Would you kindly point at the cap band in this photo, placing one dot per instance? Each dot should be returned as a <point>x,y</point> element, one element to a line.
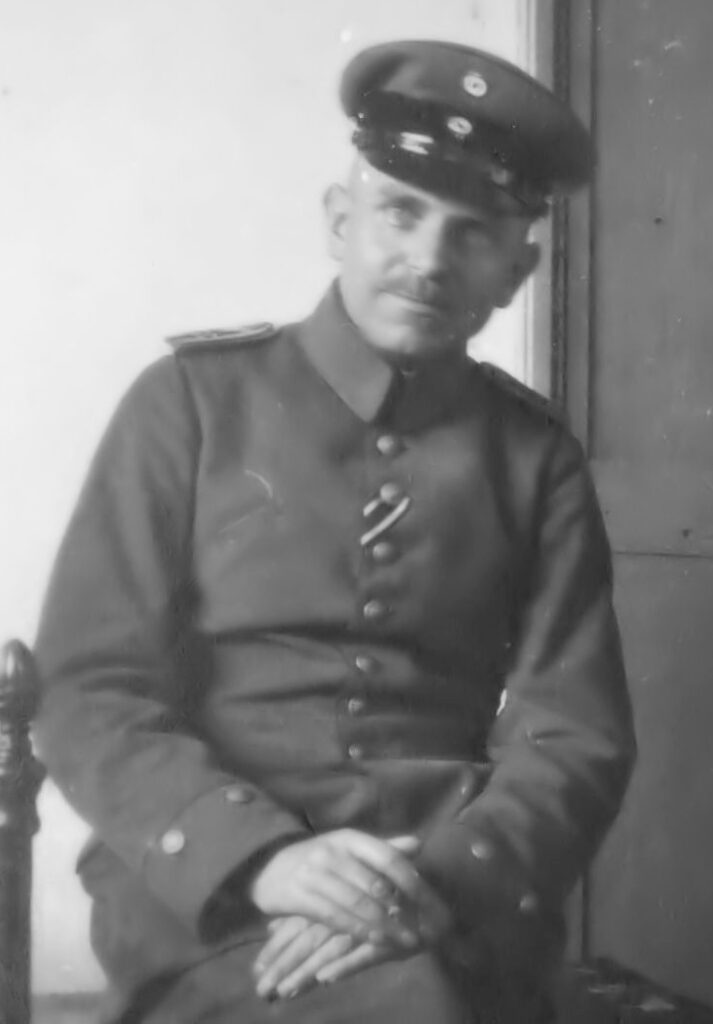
<point>418,152</point>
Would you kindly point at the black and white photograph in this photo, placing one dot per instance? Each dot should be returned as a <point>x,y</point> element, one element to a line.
<point>356,546</point>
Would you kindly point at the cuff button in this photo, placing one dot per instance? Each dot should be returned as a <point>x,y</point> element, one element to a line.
<point>239,795</point>
<point>529,903</point>
<point>482,850</point>
<point>172,841</point>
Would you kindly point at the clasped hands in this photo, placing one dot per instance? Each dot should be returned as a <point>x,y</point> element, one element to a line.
<point>340,902</point>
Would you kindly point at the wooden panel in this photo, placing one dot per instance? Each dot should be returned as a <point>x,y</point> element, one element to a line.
<point>657,508</point>
<point>639,306</point>
<point>652,381</point>
<point>652,894</point>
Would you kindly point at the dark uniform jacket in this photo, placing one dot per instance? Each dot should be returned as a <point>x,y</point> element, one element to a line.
<point>302,592</point>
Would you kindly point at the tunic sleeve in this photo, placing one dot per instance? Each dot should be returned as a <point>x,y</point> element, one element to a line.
<point>115,727</point>
<point>562,745</point>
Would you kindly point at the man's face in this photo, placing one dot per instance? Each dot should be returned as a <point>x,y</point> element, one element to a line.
<point>421,274</point>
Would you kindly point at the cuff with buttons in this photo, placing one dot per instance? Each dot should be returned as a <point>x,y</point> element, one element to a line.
<point>478,877</point>
<point>201,862</point>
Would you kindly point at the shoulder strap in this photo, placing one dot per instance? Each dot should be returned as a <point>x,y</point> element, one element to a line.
<point>211,341</point>
<point>522,393</point>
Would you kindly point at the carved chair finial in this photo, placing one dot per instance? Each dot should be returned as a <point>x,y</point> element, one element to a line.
<point>20,779</point>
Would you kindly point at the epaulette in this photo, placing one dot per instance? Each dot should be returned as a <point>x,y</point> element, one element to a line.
<point>524,394</point>
<point>209,341</point>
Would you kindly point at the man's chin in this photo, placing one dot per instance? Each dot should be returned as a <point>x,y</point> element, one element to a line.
<point>411,346</point>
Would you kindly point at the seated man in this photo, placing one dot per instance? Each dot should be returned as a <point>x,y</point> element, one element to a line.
<point>330,658</point>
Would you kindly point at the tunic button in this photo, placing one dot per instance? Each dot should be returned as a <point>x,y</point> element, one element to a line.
<point>365,663</point>
<point>355,752</point>
<point>239,795</point>
<point>389,445</point>
<point>173,841</point>
<point>391,493</point>
<point>384,551</point>
<point>375,610</point>
<point>482,850</point>
<point>355,705</point>
<point>529,903</point>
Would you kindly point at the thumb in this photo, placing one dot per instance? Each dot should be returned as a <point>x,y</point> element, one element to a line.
<point>405,844</point>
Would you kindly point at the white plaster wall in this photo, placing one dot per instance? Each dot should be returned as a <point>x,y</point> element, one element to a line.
<point>161,167</point>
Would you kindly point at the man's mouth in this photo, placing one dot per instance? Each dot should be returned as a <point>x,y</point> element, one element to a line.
<point>430,305</point>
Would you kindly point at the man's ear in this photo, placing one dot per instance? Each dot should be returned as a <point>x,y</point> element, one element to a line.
<point>336,209</point>
<point>519,273</point>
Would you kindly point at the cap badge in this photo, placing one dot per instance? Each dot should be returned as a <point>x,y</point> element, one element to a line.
<point>414,142</point>
<point>475,85</point>
<point>459,126</point>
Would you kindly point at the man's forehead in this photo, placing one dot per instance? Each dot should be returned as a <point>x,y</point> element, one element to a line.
<point>373,183</point>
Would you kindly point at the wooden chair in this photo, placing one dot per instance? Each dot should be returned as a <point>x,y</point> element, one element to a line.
<point>20,779</point>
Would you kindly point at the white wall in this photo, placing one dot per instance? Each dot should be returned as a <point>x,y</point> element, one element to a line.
<point>161,167</point>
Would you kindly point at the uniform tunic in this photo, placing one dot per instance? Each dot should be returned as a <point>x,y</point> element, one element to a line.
<point>302,591</point>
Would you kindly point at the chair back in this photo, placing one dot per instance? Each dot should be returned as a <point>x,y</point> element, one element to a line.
<point>20,778</point>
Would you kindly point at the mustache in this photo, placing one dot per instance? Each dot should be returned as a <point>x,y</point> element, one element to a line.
<point>421,289</point>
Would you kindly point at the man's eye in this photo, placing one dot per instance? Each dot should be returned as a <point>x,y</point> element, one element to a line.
<point>477,233</point>
<point>398,215</point>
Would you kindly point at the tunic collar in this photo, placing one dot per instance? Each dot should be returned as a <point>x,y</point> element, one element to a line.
<point>365,382</point>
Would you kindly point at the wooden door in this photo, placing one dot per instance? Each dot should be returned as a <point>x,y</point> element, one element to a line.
<point>636,310</point>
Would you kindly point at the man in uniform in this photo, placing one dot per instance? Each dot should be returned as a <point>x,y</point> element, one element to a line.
<point>330,658</point>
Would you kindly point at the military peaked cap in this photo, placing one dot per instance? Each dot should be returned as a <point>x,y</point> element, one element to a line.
<point>459,121</point>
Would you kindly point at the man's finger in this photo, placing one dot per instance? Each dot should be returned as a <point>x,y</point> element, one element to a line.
<point>405,844</point>
<point>361,876</point>
<point>283,932</point>
<point>304,976</point>
<point>290,956</point>
<point>355,960</point>
<point>372,887</point>
<point>386,859</point>
<point>357,913</point>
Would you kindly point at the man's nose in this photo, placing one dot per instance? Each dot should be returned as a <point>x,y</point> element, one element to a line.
<point>430,249</point>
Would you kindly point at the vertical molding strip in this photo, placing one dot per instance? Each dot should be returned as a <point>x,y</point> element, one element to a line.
<point>561,62</point>
<point>536,33</point>
<point>573,321</point>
